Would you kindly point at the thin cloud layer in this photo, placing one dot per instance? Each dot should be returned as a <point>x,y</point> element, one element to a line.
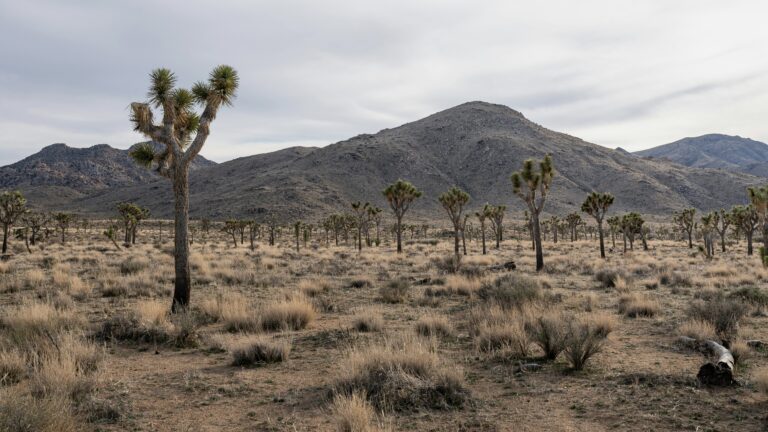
<point>617,73</point>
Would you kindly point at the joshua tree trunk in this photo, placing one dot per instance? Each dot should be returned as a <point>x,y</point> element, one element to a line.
<point>600,234</point>
<point>359,239</point>
<point>456,241</point>
<point>6,229</point>
<point>183,282</point>
<point>690,239</point>
<point>399,235</point>
<point>537,241</point>
<point>624,236</point>
<point>463,242</point>
<point>749,242</point>
<point>482,229</point>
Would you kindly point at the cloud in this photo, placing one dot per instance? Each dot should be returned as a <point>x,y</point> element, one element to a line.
<point>628,73</point>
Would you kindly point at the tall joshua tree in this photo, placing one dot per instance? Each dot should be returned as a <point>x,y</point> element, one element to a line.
<point>182,134</point>
<point>453,202</point>
<point>554,222</point>
<point>400,195</point>
<point>707,227</point>
<point>722,220</point>
<point>482,215</point>
<point>532,187</point>
<point>684,219</point>
<point>361,220</point>
<point>497,220</point>
<point>614,224</point>
<point>596,205</point>
<point>12,206</point>
<point>758,196</point>
<point>747,220</point>
<point>573,220</point>
<point>63,220</point>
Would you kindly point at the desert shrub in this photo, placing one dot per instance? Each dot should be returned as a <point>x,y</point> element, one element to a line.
<point>449,264</point>
<point>134,265</point>
<point>23,413</point>
<point>361,282</point>
<point>698,329</point>
<point>741,351</point>
<point>601,323</point>
<point>114,290</point>
<point>434,325</point>
<point>313,287</point>
<point>233,310</point>
<point>259,351</point>
<point>674,279</point>
<point>396,291</point>
<point>582,342</point>
<point>147,322</point>
<point>402,375</point>
<point>610,278</point>
<point>13,367</point>
<point>353,413</point>
<point>368,320</point>
<point>548,331</point>
<point>761,380</point>
<point>723,314</point>
<point>509,336</point>
<point>27,324</point>
<point>635,305</point>
<point>752,295</point>
<point>510,291</point>
<point>292,314</point>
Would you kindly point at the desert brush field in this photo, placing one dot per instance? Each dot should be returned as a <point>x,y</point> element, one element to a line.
<point>329,338</point>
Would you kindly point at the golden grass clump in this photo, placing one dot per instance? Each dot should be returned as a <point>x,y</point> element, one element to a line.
<point>698,329</point>
<point>255,351</point>
<point>396,291</point>
<point>635,305</point>
<point>434,326</point>
<point>292,314</point>
<point>402,375</point>
<point>13,367</point>
<point>761,380</point>
<point>368,320</point>
<point>26,324</point>
<point>21,412</point>
<point>353,413</point>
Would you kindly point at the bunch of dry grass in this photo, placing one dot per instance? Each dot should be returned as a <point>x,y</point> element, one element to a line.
<point>27,324</point>
<point>24,413</point>
<point>761,380</point>
<point>636,305</point>
<point>147,322</point>
<point>395,291</point>
<point>314,287</point>
<point>548,331</point>
<point>583,340</point>
<point>368,320</point>
<point>434,326</point>
<point>133,265</point>
<point>511,291</point>
<point>723,314</point>
<point>355,414</point>
<point>500,330</point>
<point>293,314</point>
<point>698,329</point>
<point>256,351</point>
<point>13,367</point>
<point>405,374</point>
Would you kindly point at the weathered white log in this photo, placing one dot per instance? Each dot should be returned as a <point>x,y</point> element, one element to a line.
<point>718,373</point>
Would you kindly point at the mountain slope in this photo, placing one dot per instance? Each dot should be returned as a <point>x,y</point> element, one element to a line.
<point>475,146</point>
<point>715,151</point>
<point>60,173</point>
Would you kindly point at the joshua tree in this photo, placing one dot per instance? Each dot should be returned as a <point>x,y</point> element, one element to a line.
<point>297,231</point>
<point>684,219</point>
<point>374,215</point>
<point>182,135</point>
<point>722,220</point>
<point>231,227</point>
<point>596,205</point>
<point>527,184</point>
<point>573,220</point>
<point>36,221</point>
<point>463,232</point>
<point>361,220</point>
<point>131,214</point>
<point>453,202</point>
<point>708,223</point>
<point>400,195</point>
<point>496,214</point>
<point>758,196</point>
<point>631,225</point>
<point>482,215</point>
<point>747,220</point>
<point>272,225</point>
<point>554,222</point>
<point>614,224</point>
<point>63,220</point>
<point>12,206</point>
<point>111,233</point>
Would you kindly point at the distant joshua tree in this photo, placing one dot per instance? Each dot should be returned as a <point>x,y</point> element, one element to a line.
<point>131,214</point>
<point>532,187</point>
<point>182,134</point>
<point>554,222</point>
<point>708,223</point>
<point>374,215</point>
<point>722,220</point>
<point>632,225</point>
<point>482,215</point>
<point>232,227</point>
<point>758,197</point>
<point>747,220</point>
<point>12,206</point>
<point>614,224</point>
<point>596,205</point>
<point>400,195</point>
<point>361,220</point>
<point>63,220</point>
<point>684,219</point>
<point>297,231</point>
<point>453,201</point>
<point>573,220</point>
<point>36,221</point>
<point>496,214</point>
<point>111,234</point>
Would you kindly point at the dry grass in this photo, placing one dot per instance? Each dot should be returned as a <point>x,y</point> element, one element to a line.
<point>13,367</point>
<point>368,320</point>
<point>724,315</point>
<point>353,413</point>
<point>256,351</point>
<point>698,329</point>
<point>395,291</point>
<point>549,331</point>
<point>511,291</point>
<point>402,375</point>
<point>27,324</point>
<point>24,413</point>
<point>761,380</point>
<point>636,305</point>
<point>434,326</point>
<point>582,342</point>
<point>293,314</point>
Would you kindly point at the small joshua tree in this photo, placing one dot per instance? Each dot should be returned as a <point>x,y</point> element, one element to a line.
<point>596,205</point>
<point>131,214</point>
<point>722,220</point>
<point>374,215</point>
<point>533,187</point>
<point>232,227</point>
<point>36,221</point>
<point>758,197</point>
<point>453,202</point>
<point>182,134</point>
<point>747,220</point>
<point>632,225</point>
<point>554,222</point>
<point>496,215</point>
<point>684,219</point>
<point>297,231</point>
<point>63,220</point>
<point>400,195</point>
<point>111,234</point>
<point>707,228</point>
<point>614,224</point>
<point>573,220</point>
<point>482,215</point>
<point>12,206</point>
<point>361,220</point>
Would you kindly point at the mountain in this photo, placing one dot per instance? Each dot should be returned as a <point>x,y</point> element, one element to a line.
<point>727,152</point>
<point>58,173</point>
<point>475,146</point>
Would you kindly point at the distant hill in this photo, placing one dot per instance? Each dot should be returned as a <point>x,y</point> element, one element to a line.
<point>475,146</point>
<point>58,173</point>
<point>727,152</point>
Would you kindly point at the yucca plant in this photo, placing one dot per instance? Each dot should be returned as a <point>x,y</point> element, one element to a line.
<point>596,205</point>
<point>533,187</point>
<point>400,195</point>
<point>181,134</point>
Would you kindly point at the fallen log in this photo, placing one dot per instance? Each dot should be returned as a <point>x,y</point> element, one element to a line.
<point>718,372</point>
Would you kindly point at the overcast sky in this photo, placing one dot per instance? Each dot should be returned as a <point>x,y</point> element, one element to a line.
<point>626,73</point>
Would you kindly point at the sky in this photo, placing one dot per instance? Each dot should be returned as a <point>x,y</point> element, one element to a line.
<point>633,74</point>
